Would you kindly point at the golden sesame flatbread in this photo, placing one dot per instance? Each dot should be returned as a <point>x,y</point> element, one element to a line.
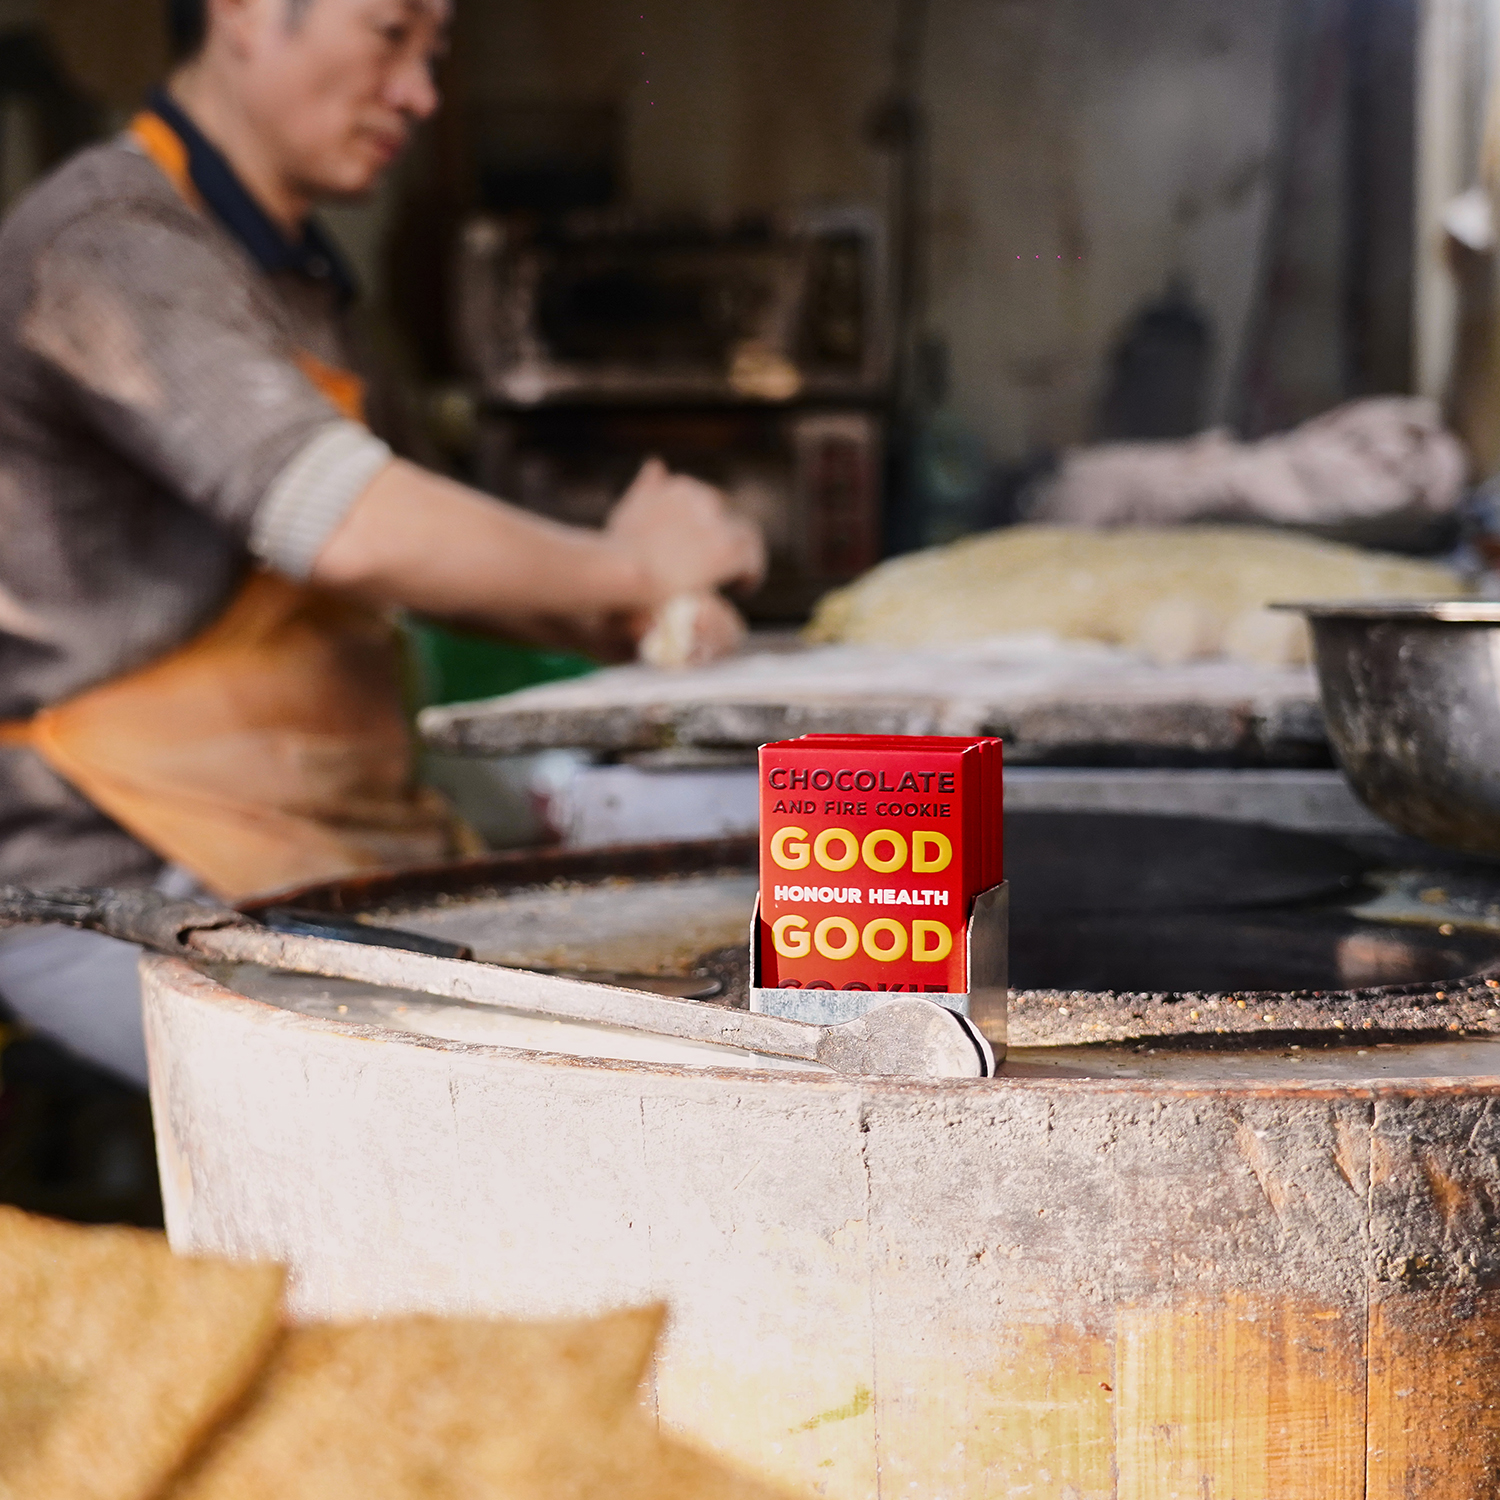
<point>444,1409</point>
<point>117,1357</point>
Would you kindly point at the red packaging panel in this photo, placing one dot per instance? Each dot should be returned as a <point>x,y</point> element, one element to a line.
<point>989,807</point>
<point>971,790</point>
<point>870,854</point>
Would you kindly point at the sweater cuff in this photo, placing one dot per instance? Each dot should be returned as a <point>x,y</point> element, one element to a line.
<point>312,494</point>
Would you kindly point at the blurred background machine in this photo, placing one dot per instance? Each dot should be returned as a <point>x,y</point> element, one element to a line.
<point>756,356</point>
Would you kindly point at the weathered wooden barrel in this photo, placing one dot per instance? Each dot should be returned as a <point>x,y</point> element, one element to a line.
<point>1134,1270</point>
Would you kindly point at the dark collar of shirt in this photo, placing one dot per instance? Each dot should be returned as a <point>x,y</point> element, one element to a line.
<point>226,197</point>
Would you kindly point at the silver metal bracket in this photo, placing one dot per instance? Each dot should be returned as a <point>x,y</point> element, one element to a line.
<point>985,1003</point>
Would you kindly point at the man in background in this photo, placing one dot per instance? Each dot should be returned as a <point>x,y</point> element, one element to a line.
<point>199,531</point>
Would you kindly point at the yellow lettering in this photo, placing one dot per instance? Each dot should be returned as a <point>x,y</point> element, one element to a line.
<point>796,856</point>
<point>925,863</point>
<point>887,925</point>
<point>835,836</point>
<point>790,939</point>
<point>848,933</point>
<point>872,844</point>
<point>942,941</point>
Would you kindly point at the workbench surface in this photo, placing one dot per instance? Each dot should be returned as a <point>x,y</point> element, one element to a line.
<point>1052,702</point>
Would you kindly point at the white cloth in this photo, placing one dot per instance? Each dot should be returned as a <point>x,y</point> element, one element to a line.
<point>313,494</point>
<point>80,989</point>
<point>83,989</point>
<point>1387,456</point>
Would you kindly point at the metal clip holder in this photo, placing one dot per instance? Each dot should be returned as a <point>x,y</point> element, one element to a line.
<point>985,1003</point>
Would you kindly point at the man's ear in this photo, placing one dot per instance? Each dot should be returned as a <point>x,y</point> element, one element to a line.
<point>236,24</point>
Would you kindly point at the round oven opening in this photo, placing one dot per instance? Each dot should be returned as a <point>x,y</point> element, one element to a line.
<point>1138,903</point>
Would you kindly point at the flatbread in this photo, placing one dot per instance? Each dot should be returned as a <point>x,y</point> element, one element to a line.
<point>1173,593</point>
<point>423,1408</point>
<point>116,1357</point>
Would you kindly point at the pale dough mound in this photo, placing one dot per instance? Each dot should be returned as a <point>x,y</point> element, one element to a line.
<point>1174,593</point>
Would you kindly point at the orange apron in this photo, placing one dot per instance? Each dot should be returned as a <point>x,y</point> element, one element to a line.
<point>273,749</point>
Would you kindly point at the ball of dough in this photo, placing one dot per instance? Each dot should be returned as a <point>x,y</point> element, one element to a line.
<point>691,631</point>
<point>1174,592</point>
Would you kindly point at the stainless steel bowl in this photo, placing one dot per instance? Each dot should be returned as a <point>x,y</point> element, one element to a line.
<point>1411,696</point>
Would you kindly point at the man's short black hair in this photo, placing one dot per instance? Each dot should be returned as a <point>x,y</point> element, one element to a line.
<point>187,25</point>
<point>186,22</point>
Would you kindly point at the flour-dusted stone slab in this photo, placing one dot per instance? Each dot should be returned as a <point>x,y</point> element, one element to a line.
<point>1048,700</point>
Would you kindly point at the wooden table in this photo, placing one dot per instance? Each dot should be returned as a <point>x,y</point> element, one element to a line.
<point>1052,703</point>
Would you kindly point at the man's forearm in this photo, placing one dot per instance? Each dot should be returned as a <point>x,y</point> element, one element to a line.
<point>416,539</point>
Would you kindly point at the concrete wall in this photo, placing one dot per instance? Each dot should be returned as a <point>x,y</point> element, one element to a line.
<point>730,105</point>
<point>1083,152</point>
<point>114,49</point>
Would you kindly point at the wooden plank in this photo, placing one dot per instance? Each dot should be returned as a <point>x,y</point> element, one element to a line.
<point>993,1373</point>
<point>1246,1396</point>
<point>1434,1425</point>
<point>1434,1419</point>
<point>1046,704</point>
<point>1046,1415</point>
<point>1035,1418</point>
<point>1240,1353</point>
<point>767,1355</point>
<point>1094,1293</point>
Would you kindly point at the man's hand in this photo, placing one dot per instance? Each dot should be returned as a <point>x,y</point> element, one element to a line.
<point>691,631</point>
<point>682,533</point>
<point>416,539</point>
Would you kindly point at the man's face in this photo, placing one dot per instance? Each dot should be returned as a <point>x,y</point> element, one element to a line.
<point>335,87</point>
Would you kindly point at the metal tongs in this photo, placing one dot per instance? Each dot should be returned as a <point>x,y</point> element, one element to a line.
<point>905,1036</point>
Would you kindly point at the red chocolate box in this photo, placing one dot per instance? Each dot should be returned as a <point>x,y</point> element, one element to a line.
<point>872,850</point>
